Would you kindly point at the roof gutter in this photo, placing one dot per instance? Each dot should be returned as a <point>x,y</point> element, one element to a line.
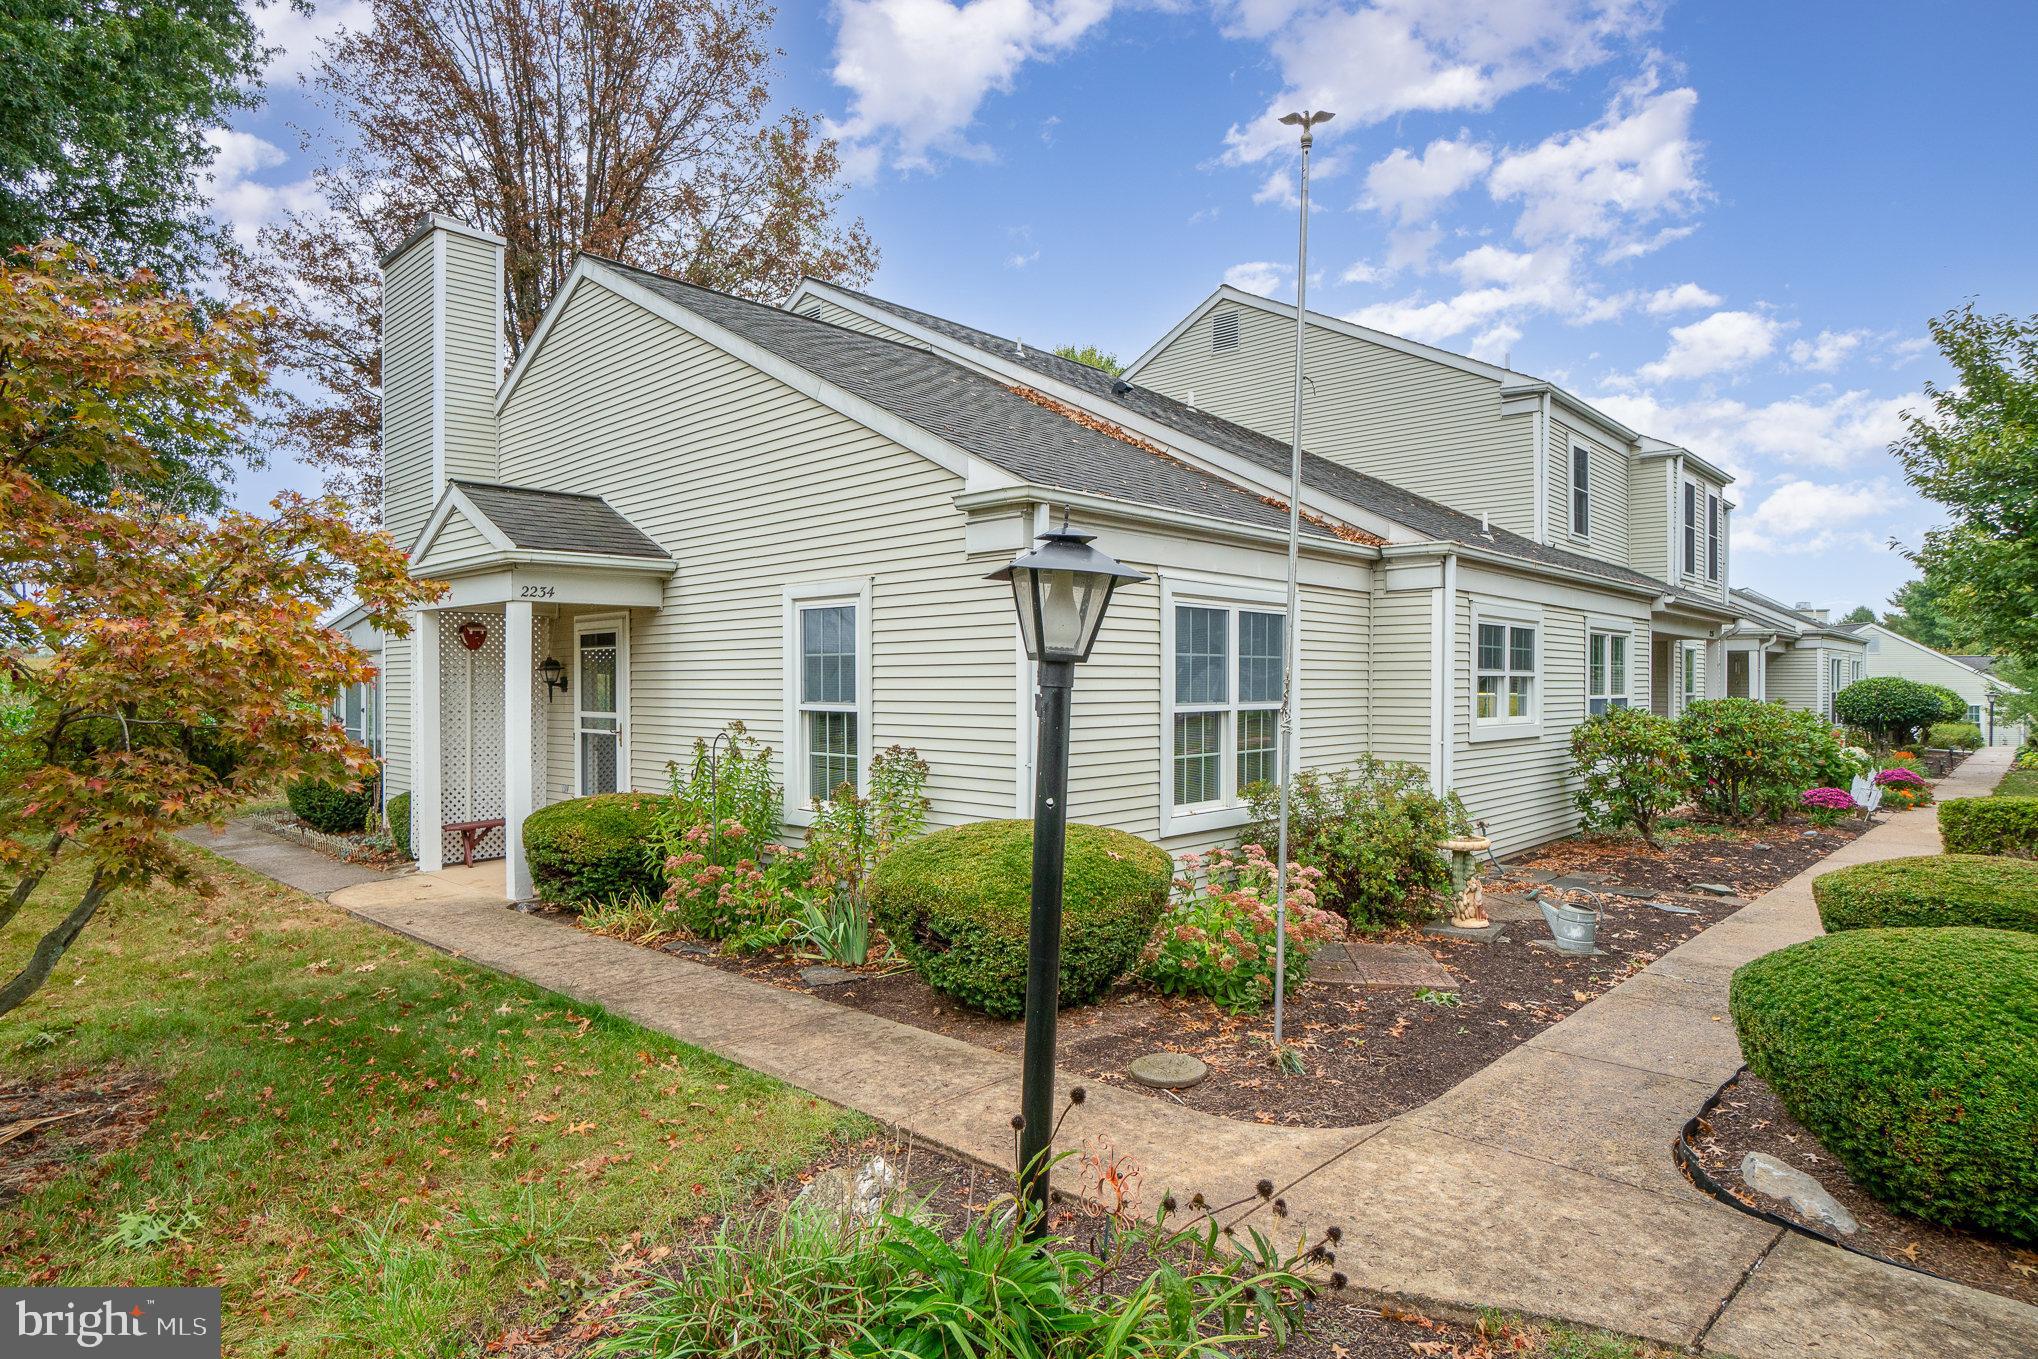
<point>1520,565</point>
<point>1031,493</point>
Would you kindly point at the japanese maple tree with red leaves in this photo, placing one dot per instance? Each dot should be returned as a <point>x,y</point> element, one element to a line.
<point>159,670</point>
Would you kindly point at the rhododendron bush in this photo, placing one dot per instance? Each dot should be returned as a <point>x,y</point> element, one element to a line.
<point>162,668</point>
<point>1217,938</point>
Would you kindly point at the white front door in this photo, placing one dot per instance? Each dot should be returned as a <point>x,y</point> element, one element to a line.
<point>599,709</point>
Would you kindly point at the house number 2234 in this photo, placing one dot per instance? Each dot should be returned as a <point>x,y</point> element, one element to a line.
<point>536,591</point>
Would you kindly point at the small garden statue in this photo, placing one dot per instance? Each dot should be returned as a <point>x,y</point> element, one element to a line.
<point>1468,898</point>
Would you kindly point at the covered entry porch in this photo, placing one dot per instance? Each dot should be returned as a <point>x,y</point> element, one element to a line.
<point>520,674</point>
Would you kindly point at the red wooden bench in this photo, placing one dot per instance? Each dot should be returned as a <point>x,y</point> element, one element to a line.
<point>470,835</point>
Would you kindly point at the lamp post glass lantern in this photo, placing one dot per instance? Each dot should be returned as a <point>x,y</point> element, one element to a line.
<point>1060,589</point>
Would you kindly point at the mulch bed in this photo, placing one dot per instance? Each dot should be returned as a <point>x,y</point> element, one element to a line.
<point>49,1126</point>
<point>1338,1326</point>
<point>1750,1118</point>
<point>371,848</point>
<point>1373,1052</point>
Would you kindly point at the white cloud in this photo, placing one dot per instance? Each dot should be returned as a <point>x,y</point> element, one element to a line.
<point>1683,297</point>
<point>1831,349</point>
<point>1803,516</point>
<point>239,201</point>
<point>1497,284</point>
<point>918,70</point>
<point>1636,247</point>
<point>1377,59</point>
<point>1016,261</point>
<point>1851,429</point>
<point>1721,342</point>
<point>1636,163</point>
<point>1495,345</point>
<point>1409,186</point>
<point>300,38</point>
<point>1263,277</point>
<point>1278,187</point>
<point>1358,271</point>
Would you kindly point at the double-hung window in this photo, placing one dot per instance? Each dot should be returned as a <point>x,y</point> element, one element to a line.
<point>1581,490</point>
<point>1712,537</point>
<point>1505,655</point>
<point>827,686</point>
<point>1690,528</point>
<point>1226,719</point>
<point>1835,683</point>
<point>354,711</point>
<point>1687,673</point>
<point>1606,671</point>
<point>1974,713</point>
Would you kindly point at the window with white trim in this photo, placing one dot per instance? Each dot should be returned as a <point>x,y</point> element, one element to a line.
<point>1505,666</point>
<point>354,712</point>
<point>1712,537</point>
<point>1835,684</point>
<point>1581,490</point>
<point>1687,666</point>
<point>1974,713</point>
<point>829,676</point>
<point>1690,528</point>
<point>1606,671</point>
<point>1226,717</point>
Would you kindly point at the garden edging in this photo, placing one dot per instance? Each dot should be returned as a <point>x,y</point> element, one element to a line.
<point>1558,1155</point>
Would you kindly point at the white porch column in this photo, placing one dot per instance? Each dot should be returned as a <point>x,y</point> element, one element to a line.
<point>425,756</point>
<point>518,679</point>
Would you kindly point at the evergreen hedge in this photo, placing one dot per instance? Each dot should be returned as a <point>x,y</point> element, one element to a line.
<point>1990,825</point>
<point>592,850</point>
<point>1930,889</point>
<point>956,903</point>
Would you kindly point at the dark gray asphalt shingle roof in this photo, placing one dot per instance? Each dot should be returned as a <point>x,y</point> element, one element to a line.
<point>1419,513</point>
<point>973,412</point>
<point>1981,665</point>
<point>558,521</point>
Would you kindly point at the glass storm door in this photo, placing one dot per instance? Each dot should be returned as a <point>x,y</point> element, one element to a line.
<point>598,713</point>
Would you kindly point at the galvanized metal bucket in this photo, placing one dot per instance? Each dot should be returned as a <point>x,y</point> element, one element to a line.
<point>1575,928</point>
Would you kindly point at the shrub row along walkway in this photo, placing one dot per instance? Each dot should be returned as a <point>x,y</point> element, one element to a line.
<point>1544,1184</point>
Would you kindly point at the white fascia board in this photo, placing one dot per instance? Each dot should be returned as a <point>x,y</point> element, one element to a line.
<point>1659,449</point>
<point>1178,522</point>
<point>1206,457</point>
<point>541,332</point>
<point>451,499</point>
<point>871,416</point>
<point>1577,406</point>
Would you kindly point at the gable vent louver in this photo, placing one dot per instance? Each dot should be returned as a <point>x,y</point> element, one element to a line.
<point>1224,333</point>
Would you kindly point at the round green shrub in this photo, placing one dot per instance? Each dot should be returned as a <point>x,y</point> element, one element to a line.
<point>330,808</point>
<point>1954,736</point>
<point>1912,1054</point>
<point>1990,825</point>
<point>597,849</point>
<point>955,902</point>
<point>398,812</point>
<point>1930,889</point>
<point>1894,709</point>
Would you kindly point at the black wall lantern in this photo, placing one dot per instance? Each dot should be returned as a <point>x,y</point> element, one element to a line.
<point>1061,589</point>
<point>554,675</point>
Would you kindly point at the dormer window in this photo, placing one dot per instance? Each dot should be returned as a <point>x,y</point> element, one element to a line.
<point>1581,491</point>
<point>1690,528</point>
<point>1224,333</point>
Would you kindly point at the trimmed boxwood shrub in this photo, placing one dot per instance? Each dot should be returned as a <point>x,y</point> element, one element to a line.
<point>597,849</point>
<point>955,903</point>
<point>1954,736</point>
<point>1990,825</point>
<point>330,808</point>
<point>1930,889</point>
<point>1912,1054</point>
<point>1895,709</point>
<point>398,812</point>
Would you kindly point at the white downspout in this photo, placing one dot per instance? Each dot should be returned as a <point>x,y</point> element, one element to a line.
<point>1543,469</point>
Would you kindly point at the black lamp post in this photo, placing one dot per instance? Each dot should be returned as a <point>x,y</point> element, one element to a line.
<point>1061,589</point>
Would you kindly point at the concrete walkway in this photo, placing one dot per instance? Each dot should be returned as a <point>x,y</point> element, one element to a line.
<point>1543,1184</point>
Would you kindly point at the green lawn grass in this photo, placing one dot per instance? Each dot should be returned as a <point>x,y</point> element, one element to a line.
<point>2018,783</point>
<point>372,1148</point>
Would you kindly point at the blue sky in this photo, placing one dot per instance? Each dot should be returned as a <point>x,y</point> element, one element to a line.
<point>1726,223</point>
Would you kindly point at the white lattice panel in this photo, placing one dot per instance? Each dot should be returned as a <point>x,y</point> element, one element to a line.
<point>471,728</point>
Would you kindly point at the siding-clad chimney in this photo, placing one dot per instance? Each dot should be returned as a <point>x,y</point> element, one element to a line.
<point>441,361</point>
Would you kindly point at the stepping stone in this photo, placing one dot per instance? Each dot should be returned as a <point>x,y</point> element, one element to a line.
<point>1503,907</point>
<point>1717,889</point>
<point>1541,874</point>
<point>825,976</point>
<point>1590,882</point>
<point>1369,964</point>
<point>1550,946</point>
<point>687,948</point>
<point>1672,907</point>
<point>1168,1070</point>
<point>1630,893</point>
<point>1485,934</point>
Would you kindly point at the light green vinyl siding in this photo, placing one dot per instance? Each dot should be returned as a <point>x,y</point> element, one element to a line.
<point>822,309</point>
<point>473,355</point>
<point>1404,623</point>
<point>1411,421</point>
<point>407,489</point>
<point>1522,789</point>
<point>458,543</point>
<point>752,487</point>
<point>1607,480</point>
<point>1648,516</point>
<point>396,744</point>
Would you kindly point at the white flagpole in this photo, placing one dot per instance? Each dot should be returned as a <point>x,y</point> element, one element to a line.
<point>1291,626</point>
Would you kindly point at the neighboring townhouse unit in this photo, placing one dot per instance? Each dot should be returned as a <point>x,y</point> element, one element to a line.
<point>1972,677</point>
<point>681,508</point>
<point>1796,656</point>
